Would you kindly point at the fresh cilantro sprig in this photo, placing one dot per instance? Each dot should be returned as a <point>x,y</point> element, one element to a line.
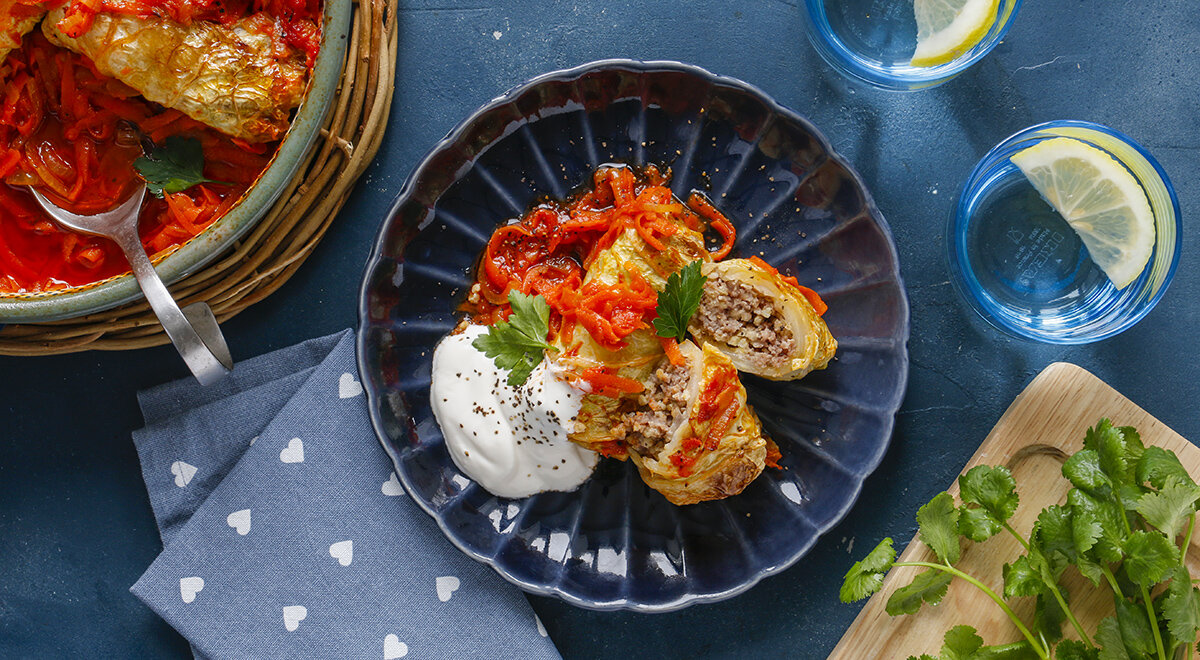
<point>174,166</point>
<point>518,344</point>
<point>1126,525</point>
<point>678,301</point>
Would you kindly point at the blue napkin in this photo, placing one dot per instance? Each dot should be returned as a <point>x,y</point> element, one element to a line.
<point>286,533</point>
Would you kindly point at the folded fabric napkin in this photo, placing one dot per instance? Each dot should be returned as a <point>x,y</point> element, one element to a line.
<point>286,533</point>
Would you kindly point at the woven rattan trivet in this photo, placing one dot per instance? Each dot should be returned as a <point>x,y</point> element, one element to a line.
<point>263,260</point>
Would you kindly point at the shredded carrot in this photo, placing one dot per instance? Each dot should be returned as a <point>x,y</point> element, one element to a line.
<point>671,348</point>
<point>717,221</point>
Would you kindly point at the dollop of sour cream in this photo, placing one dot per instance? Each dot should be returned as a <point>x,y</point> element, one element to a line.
<point>512,441</point>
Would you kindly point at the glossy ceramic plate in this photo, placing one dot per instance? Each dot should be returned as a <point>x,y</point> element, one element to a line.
<point>209,244</point>
<point>614,543</point>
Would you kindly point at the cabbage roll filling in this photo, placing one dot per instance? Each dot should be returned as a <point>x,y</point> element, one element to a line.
<point>664,401</point>
<point>740,316</point>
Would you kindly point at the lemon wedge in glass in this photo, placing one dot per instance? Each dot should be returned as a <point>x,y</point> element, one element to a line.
<point>948,28</point>
<point>1099,198</point>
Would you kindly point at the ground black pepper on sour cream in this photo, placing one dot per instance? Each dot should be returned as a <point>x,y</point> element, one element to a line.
<point>512,441</point>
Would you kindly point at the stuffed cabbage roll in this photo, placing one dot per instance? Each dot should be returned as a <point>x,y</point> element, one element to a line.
<point>17,19</point>
<point>629,256</point>
<point>227,77</point>
<point>763,323</point>
<point>693,437</point>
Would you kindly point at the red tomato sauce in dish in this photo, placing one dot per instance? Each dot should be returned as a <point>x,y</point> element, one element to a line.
<point>75,133</point>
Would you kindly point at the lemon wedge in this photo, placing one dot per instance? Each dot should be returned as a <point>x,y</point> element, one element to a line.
<point>948,28</point>
<point>1099,198</point>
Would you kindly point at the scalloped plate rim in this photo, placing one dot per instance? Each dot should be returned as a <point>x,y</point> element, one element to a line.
<point>574,73</point>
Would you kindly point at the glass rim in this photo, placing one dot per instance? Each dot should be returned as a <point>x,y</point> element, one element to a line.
<point>973,292</point>
<point>845,61</point>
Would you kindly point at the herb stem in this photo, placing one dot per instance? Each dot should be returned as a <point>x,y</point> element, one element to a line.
<point>1112,581</point>
<point>1038,648</point>
<point>1187,543</point>
<point>1062,602</point>
<point>1162,654</point>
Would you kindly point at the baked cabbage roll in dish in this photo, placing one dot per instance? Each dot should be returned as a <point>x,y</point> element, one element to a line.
<point>763,322</point>
<point>693,437</point>
<point>227,77</point>
<point>17,19</point>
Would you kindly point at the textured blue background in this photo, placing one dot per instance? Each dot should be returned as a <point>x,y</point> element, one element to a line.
<point>75,523</point>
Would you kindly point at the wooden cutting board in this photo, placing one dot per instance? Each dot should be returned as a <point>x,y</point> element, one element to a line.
<point>1043,425</point>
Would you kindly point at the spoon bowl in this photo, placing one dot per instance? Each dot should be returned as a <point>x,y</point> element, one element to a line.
<point>193,330</point>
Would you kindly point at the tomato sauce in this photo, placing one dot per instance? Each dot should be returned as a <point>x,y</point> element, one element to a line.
<point>75,133</point>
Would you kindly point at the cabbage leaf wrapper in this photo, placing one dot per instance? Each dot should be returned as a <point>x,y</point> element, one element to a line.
<point>227,77</point>
<point>594,426</point>
<point>694,437</point>
<point>763,323</point>
<point>17,19</point>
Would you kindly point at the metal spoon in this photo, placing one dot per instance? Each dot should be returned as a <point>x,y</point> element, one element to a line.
<point>193,329</point>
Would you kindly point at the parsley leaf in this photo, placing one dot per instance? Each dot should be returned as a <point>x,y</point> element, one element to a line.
<point>1119,449</point>
<point>1181,607</point>
<point>1149,557</point>
<point>1048,616</point>
<point>175,166</point>
<point>1169,508</point>
<point>928,587</point>
<point>1073,649</point>
<point>1094,512</point>
<point>865,577</point>
<point>518,344</point>
<point>1022,579</point>
<point>678,300</point>
<point>938,522</point>
<point>1108,637</point>
<point>1083,471</point>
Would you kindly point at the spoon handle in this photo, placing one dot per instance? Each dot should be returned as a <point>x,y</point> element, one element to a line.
<point>208,360</point>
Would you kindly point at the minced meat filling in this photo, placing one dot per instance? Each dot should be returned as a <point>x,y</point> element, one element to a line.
<point>736,314</point>
<point>666,396</point>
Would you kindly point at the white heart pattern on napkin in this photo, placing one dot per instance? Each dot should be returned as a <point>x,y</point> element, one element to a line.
<point>239,520</point>
<point>183,473</point>
<point>293,615</point>
<point>189,587</point>
<point>294,452</point>
<point>348,388</point>
<point>446,586</point>
<point>392,486</point>
<point>343,551</point>
<point>393,648</point>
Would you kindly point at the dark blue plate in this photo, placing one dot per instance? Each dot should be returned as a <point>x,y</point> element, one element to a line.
<point>614,543</point>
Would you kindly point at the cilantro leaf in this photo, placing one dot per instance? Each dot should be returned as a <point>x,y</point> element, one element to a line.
<point>1056,532</point>
<point>977,524</point>
<point>518,344</point>
<point>1119,449</point>
<point>1181,607</point>
<point>1108,638</point>
<point>1083,471</point>
<point>1169,508</point>
<point>938,523</point>
<point>1149,558</point>
<point>1157,465</point>
<point>1134,627</point>
<point>1095,512</point>
<point>992,488</point>
<point>1073,649</point>
<point>1021,578</point>
<point>865,577</point>
<point>1014,651</point>
<point>960,643</point>
<point>678,300</point>
<point>1048,617</point>
<point>173,167</point>
<point>928,587</point>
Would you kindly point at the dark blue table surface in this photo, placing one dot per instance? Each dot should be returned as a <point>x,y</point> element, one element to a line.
<point>75,523</point>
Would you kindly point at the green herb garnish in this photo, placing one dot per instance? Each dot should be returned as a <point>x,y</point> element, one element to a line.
<point>518,344</point>
<point>1127,523</point>
<point>175,166</point>
<point>677,302</point>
